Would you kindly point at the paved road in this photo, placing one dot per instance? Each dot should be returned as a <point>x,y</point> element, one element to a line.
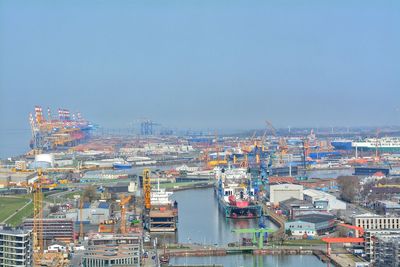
<point>352,210</point>
<point>343,259</point>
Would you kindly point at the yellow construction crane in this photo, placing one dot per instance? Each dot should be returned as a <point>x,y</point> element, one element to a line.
<point>123,201</point>
<point>38,244</point>
<point>146,188</point>
<point>81,232</point>
<point>41,258</point>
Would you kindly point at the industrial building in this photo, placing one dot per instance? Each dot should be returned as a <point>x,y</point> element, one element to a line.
<point>113,250</point>
<point>374,221</point>
<point>292,208</point>
<point>387,250</point>
<point>15,247</point>
<point>387,207</point>
<point>323,200</point>
<point>54,229</point>
<point>311,224</point>
<point>93,213</point>
<point>281,192</point>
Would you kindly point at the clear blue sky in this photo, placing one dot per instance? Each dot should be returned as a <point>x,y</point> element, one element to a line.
<point>202,64</point>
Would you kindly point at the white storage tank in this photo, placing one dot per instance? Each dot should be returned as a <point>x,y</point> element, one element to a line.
<point>48,158</point>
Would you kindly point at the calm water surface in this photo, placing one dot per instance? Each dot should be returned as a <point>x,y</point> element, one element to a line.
<point>247,260</point>
<point>200,221</point>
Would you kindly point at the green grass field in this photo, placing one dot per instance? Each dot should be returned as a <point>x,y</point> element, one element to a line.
<point>9,205</point>
<point>18,218</point>
<point>303,242</point>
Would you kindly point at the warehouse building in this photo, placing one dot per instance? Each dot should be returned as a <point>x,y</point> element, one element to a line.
<point>387,207</point>
<point>323,200</point>
<point>15,247</point>
<point>292,208</point>
<point>281,192</point>
<point>311,224</point>
<point>93,213</point>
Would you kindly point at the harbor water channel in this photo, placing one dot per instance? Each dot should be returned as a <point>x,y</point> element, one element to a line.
<point>201,222</point>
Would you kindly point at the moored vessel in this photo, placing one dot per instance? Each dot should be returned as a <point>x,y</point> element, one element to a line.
<point>236,196</point>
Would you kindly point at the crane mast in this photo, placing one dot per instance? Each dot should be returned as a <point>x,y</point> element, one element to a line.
<point>38,244</point>
<point>146,188</point>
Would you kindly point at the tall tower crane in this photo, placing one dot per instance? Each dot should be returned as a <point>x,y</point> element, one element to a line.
<point>146,188</point>
<point>38,244</point>
<point>81,232</point>
<point>123,201</point>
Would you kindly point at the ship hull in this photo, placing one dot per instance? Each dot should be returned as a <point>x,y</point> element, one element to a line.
<point>235,212</point>
<point>122,166</point>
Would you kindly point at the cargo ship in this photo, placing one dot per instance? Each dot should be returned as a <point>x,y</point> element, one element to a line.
<point>371,170</point>
<point>235,194</point>
<point>384,144</point>
<point>342,144</point>
<point>122,165</point>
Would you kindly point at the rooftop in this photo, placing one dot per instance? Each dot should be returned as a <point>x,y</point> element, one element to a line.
<point>294,202</point>
<point>315,217</point>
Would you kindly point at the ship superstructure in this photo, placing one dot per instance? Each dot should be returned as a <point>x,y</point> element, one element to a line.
<point>384,144</point>
<point>163,216</point>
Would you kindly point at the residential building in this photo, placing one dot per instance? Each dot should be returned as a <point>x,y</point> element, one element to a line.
<point>371,221</point>
<point>54,229</point>
<point>387,251</point>
<point>113,250</point>
<point>370,241</point>
<point>15,247</point>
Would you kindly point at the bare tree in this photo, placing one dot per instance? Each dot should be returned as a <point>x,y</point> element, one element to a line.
<point>349,187</point>
<point>90,194</point>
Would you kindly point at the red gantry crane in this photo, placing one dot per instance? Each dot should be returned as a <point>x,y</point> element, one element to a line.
<point>330,240</point>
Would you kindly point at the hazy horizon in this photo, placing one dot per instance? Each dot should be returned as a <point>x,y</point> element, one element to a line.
<point>202,64</point>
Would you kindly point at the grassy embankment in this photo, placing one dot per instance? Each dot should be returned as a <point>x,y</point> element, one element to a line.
<point>13,205</point>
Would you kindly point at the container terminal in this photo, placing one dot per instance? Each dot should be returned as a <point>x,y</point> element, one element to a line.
<point>84,198</point>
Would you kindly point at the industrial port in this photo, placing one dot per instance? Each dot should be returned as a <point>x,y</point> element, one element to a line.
<point>83,198</point>
<point>200,133</point>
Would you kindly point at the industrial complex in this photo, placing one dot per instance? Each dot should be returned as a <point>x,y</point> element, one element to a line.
<point>83,198</point>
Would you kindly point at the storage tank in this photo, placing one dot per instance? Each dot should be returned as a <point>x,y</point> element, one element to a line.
<point>48,158</point>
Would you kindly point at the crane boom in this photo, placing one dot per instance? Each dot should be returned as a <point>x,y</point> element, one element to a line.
<point>123,201</point>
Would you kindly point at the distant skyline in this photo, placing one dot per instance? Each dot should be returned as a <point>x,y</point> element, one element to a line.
<point>202,64</point>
